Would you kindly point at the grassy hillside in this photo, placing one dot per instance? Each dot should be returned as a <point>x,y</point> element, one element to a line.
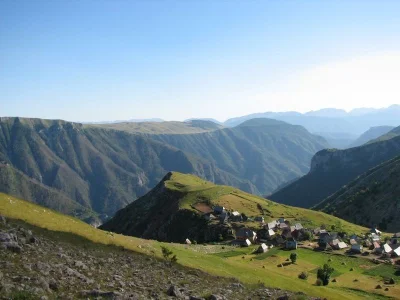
<point>228,262</point>
<point>331,169</point>
<point>173,211</point>
<point>265,152</point>
<point>371,199</point>
<point>171,127</point>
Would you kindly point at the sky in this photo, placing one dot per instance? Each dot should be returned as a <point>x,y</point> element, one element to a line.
<point>118,60</point>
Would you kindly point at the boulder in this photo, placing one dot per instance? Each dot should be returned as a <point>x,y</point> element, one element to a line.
<point>174,292</point>
<point>12,246</point>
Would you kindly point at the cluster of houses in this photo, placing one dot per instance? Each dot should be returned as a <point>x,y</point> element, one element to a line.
<point>374,244</point>
<point>225,216</point>
<point>282,233</point>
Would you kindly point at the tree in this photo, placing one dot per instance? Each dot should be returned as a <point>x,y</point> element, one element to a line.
<point>308,236</point>
<point>293,257</point>
<point>168,255</point>
<point>324,274</point>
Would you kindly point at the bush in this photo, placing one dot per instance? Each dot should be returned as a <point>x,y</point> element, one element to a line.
<point>168,255</point>
<point>325,273</point>
<point>303,275</point>
<point>293,257</point>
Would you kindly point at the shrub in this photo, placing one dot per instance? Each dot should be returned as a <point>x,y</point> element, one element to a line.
<point>325,273</point>
<point>303,275</point>
<point>293,257</point>
<point>318,282</point>
<point>168,255</point>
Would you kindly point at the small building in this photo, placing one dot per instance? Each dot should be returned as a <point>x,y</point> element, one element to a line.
<point>271,225</point>
<point>209,217</point>
<point>298,226</point>
<point>387,248</point>
<point>259,219</point>
<point>286,233</point>
<point>342,245</point>
<point>270,233</point>
<point>375,231</point>
<point>262,249</point>
<point>377,249</point>
<point>246,233</point>
<point>291,244</point>
<point>375,237</point>
<point>219,210</point>
<point>283,226</point>
<point>334,244</point>
<point>396,252</point>
<point>353,242</point>
<point>223,218</point>
<point>281,220</point>
<point>241,243</point>
<point>357,248</point>
<point>236,216</point>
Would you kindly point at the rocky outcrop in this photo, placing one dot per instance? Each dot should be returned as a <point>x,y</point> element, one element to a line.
<point>332,168</point>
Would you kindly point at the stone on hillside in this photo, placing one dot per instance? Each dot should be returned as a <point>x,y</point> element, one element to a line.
<point>391,281</point>
<point>3,220</point>
<point>99,293</point>
<point>284,297</point>
<point>53,285</point>
<point>174,292</point>
<point>195,298</point>
<point>378,287</point>
<point>12,246</point>
<point>216,297</point>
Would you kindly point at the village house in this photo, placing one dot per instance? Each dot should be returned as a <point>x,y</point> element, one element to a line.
<point>223,218</point>
<point>219,210</point>
<point>259,219</point>
<point>262,249</point>
<point>353,242</point>
<point>283,226</point>
<point>342,245</point>
<point>241,243</point>
<point>271,225</point>
<point>245,233</point>
<point>377,249</point>
<point>236,217</point>
<point>375,231</point>
<point>209,217</point>
<point>291,244</point>
<point>396,252</point>
<point>387,249</point>
<point>286,233</point>
<point>270,233</point>
<point>375,237</point>
<point>357,248</point>
<point>298,226</point>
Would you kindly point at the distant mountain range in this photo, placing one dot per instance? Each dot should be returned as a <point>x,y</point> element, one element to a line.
<point>332,120</point>
<point>92,171</point>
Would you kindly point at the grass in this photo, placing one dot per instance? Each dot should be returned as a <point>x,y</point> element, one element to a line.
<point>252,269</point>
<point>195,190</point>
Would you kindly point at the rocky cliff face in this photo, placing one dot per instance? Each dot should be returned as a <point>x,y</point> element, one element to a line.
<point>331,169</point>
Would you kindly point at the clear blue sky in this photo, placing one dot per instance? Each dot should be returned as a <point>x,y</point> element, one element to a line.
<point>109,60</point>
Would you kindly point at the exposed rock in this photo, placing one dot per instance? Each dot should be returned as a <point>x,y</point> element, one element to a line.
<point>174,291</point>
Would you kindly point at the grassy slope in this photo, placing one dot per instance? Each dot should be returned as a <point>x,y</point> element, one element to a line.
<point>249,269</point>
<point>195,188</point>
